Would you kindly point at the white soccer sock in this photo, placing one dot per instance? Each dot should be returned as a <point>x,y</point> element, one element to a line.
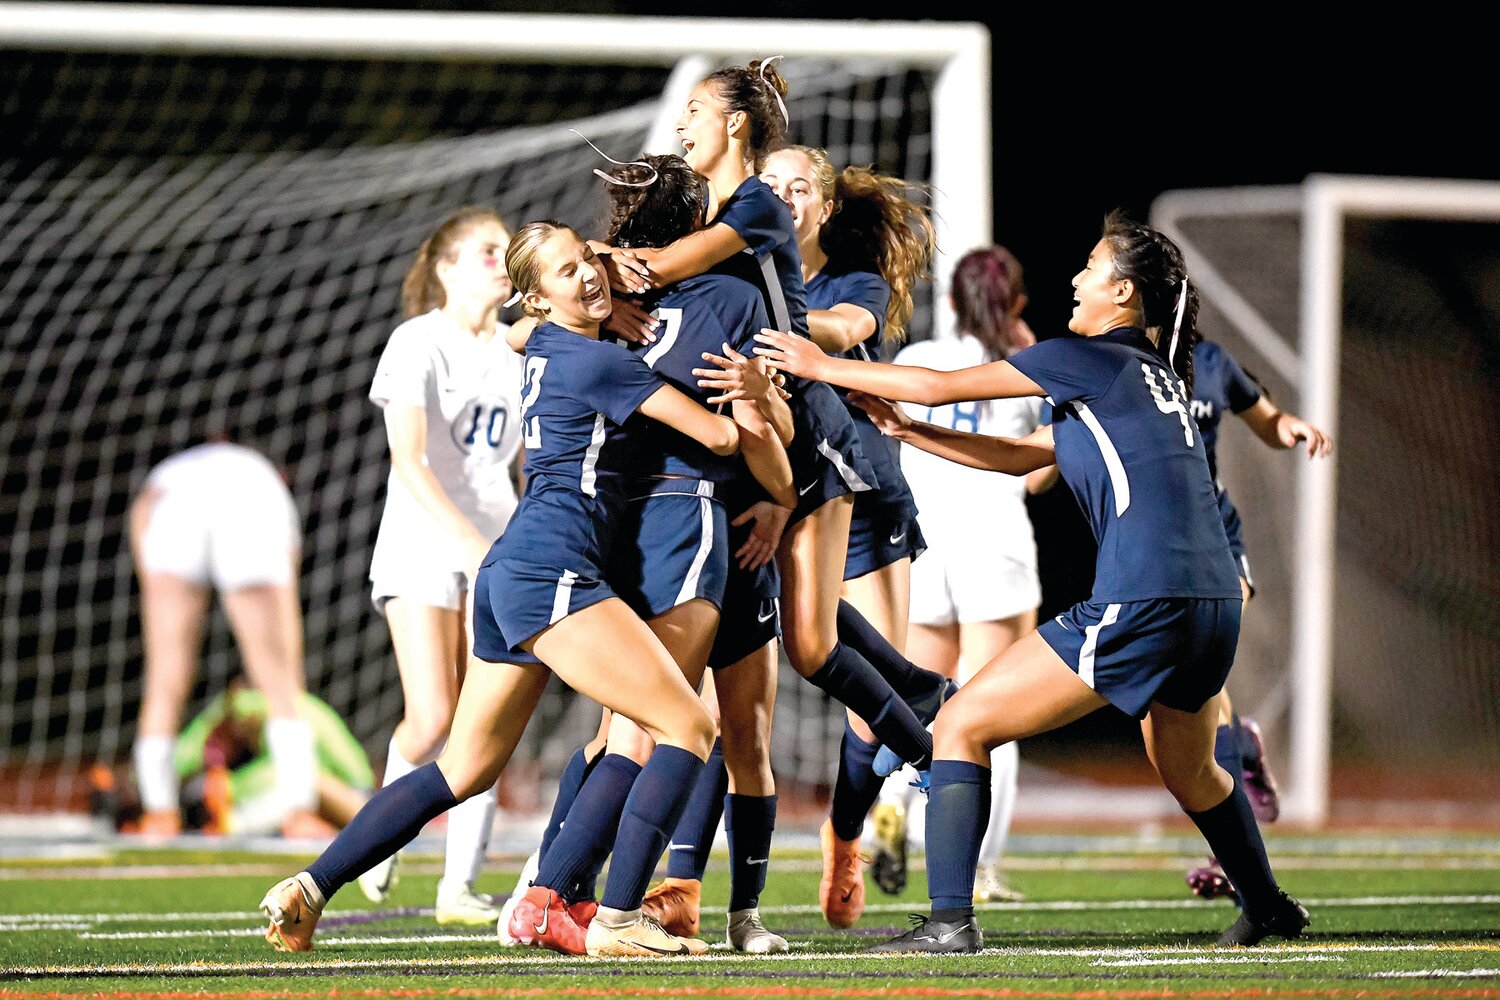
<point>396,766</point>
<point>897,788</point>
<point>155,777</point>
<point>469,825</point>
<point>1005,762</point>
<point>291,745</point>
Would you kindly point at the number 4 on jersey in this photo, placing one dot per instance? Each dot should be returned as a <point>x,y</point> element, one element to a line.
<point>1171,397</point>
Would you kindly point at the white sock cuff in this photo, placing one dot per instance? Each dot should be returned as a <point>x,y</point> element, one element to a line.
<point>291,745</point>
<point>155,776</point>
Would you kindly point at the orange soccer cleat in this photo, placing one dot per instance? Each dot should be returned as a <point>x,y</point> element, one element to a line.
<point>842,891</point>
<point>541,920</point>
<point>674,904</point>
<point>159,824</point>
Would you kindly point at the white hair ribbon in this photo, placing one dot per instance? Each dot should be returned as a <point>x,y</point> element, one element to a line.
<point>1177,323</point>
<point>611,178</point>
<point>769,86</point>
<point>516,297</point>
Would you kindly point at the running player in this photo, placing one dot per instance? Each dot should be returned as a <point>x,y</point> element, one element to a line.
<point>218,516</point>
<point>541,595</point>
<point>1221,386</point>
<point>450,390</point>
<point>1157,637</point>
<point>976,589</point>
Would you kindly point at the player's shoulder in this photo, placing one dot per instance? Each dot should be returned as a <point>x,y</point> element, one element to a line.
<point>423,327</point>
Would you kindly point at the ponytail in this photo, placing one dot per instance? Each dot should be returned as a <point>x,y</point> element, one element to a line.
<point>1169,301</point>
<point>758,91</point>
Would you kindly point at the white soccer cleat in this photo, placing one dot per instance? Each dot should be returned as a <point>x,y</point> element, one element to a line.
<point>461,906</point>
<point>528,872</point>
<point>378,882</point>
<point>749,935</point>
<point>642,937</point>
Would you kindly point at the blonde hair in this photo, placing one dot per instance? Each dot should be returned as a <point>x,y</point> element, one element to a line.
<point>421,291</point>
<point>521,258</point>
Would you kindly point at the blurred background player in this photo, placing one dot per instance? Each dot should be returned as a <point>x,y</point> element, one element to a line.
<point>450,390</point>
<point>1221,386</point>
<point>219,517</point>
<point>976,589</point>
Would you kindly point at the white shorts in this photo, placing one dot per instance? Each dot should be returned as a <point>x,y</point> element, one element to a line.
<point>971,583</point>
<point>434,588</point>
<point>252,541</point>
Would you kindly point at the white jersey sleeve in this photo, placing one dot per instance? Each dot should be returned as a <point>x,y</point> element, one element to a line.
<point>405,374</point>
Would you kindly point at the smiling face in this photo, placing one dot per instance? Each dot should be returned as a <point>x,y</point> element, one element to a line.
<point>476,272</point>
<point>792,174</point>
<point>571,287</point>
<point>703,128</point>
<point>1101,301</point>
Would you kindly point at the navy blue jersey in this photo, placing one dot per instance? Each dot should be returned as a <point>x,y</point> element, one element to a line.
<point>1220,386</point>
<point>1133,458</point>
<point>772,261</point>
<point>865,289</point>
<point>575,394</point>
<point>697,314</point>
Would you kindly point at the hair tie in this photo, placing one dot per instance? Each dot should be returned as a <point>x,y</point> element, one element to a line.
<point>611,178</point>
<point>1177,324</point>
<point>774,92</point>
<point>514,298</point>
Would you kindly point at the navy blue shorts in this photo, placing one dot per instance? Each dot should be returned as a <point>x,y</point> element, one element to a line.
<point>750,616</point>
<point>880,535</point>
<point>1232,528</point>
<point>515,601</point>
<point>1175,650</point>
<point>827,458</point>
<point>672,546</point>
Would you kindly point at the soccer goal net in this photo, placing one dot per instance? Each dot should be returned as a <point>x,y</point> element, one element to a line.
<point>205,217</point>
<point>1370,652</point>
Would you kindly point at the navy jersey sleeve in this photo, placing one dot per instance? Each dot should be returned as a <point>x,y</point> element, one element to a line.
<point>617,382</point>
<point>753,214</point>
<point>870,292</point>
<point>1068,368</point>
<point>1242,390</point>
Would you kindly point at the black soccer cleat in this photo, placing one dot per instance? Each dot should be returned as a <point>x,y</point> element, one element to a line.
<point>1289,920</point>
<point>935,937</point>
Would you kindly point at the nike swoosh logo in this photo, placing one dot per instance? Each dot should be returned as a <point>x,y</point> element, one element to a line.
<point>846,896</point>
<point>681,949</point>
<point>541,928</point>
<point>1064,624</point>
<point>896,539</point>
<point>681,847</point>
<point>803,492</point>
<point>756,861</point>
<point>765,618</point>
<point>945,938</point>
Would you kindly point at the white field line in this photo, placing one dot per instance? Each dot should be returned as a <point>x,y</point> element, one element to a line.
<point>1437,974</point>
<point>1205,953</point>
<point>1216,960</point>
<point>23,921</point>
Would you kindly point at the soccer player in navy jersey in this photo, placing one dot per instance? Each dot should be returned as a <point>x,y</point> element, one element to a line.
<point>731,120</point>
<point>542,602</point>
<point>1157,636</point>
<point>1221,386</point>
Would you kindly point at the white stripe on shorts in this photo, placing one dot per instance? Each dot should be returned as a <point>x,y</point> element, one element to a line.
<point>851,478</point>
<point>563,596</point>
<point>1091,640</point>
<point>705,546</point>
<point>1117,477</point>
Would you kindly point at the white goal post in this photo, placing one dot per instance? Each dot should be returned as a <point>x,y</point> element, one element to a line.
<point>958,53</point>
<point>1312,364</point>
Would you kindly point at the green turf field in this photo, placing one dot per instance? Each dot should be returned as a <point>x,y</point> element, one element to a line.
<point>1103,918</point>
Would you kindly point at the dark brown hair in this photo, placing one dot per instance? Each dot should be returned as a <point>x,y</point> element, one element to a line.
<point>1154,263</point>
<point>756,90</point>
<point>987,282</point>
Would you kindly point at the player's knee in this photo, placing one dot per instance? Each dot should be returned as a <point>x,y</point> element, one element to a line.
<point>1196,785</point>
<point>425,735</point>
<point>697,731</point>
<point>807,648</point>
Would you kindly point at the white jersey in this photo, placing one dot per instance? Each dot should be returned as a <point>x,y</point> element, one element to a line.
<point>470,391</point>
<point>954,499</point>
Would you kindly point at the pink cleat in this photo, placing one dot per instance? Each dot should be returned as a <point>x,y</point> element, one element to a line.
<point>1260,784</point>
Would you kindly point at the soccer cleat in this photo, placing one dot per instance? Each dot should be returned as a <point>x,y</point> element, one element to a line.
<point>990,885</point>
<point>378,882</point>
<point>674,904</point>
<point>841,894</point>
<point>889,863</point>
<point>642,937</point>
<point>582,911</point>
<point>159,824</point>
<point>463,907</point>
<point>528,872</point>
<point>888,761</point>
<point>1260,784</point>
<point>1289,920</point>
<point>293,906</point>
<point>748,934</point>
<point>936,937</point>
<point>540,920</point>
<point>1210,882</point>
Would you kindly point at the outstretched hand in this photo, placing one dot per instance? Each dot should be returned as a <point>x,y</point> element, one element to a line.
<point>736,377</point>
<point>1291,429</point>
<point>889,418</point>
<point>791,354</point>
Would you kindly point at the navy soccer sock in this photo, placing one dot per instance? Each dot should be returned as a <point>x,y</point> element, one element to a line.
<point>749,821</point>
<point>908,680</point>
<point>388,822</point>
<point>1234,838</point>
<point>958,809</point>
<point>589,829</point>
<point>857,786</point>
<point>1229,752</point>
<point>568,784</point>
<point>651,813</point>
<point>858,686</point>
<point>693,840</point>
